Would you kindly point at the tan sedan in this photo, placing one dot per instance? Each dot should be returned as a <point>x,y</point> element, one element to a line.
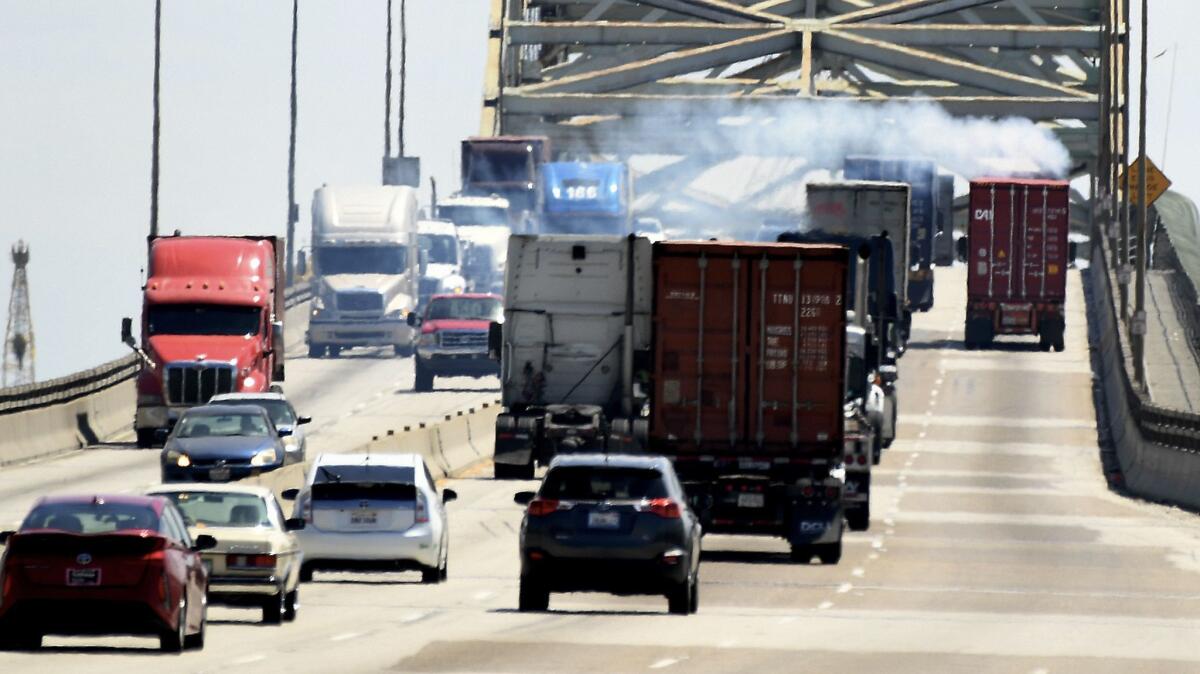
<point>256,563</point>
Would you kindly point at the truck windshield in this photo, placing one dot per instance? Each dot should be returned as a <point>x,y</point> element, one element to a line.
<point>362,260</point>
<point>466,216</point>
<point>492,166</point>
<point>441,248</point>
<point>465,308</point>
<point>202,319</point>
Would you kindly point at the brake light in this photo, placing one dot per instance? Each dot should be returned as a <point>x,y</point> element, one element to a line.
<point>831,492</point>
<point>540,507</point>
<point>422,510</point>
<point>665,508</point>
<point>807,491</point>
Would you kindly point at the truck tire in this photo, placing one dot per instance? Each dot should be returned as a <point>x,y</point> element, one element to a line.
<point>145,438</point>
<point>802,554</point>
<point>859,518</point>
<point>532,596</point>
<point>334,351</point>
<point>316,350</point>
<point>423,378</point>
<point>830,553</point>
<point>877,449</point>
<point>402,350</point>
<point>509,471</point>
<point>680,598</point>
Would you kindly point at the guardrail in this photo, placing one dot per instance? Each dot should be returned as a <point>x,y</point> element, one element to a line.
<point>16,399</point>
<point>1157,448</point>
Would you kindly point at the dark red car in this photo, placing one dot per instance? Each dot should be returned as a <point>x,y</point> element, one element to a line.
<point>100,565</point>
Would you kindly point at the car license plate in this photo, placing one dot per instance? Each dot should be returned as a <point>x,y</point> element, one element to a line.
<point>752,500</point>
<point>604,520</point>
<point>218,474</point>
<point>753,464</point>
<point>363,518</point>
<point>83,577</point>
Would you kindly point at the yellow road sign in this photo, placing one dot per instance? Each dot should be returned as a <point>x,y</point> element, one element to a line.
<point>1156,182</point>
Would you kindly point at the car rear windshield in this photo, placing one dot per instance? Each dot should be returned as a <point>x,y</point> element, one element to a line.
<point>466,308</point>
<point>223,425</point>
<point>215,509</point>
<point>202,319</point>
<point>278,410</point>
<point>91,517</point>
<point>345,483</point>
<point>588,483</point>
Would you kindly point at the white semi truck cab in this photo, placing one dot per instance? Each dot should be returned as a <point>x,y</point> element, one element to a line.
<point>484,226</point>
<point>443,259</point>
<point>367,267</point>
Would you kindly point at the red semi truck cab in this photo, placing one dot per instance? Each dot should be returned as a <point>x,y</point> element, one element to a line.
<point>1017,260</point>
<point>212,322</point>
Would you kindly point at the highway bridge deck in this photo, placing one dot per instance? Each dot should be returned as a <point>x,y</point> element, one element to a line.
<point>995,547</point>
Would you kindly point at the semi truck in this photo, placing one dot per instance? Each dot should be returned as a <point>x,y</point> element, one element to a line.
<point>366,269</point>
<point>726,357</point>
<point>505,166</point>
<point>442,251</point>
<point>586,198</point>
<point>212,322</point>
<point>1018,256</point>
<point>943,245</point>
<point>483,229</point>
<point>921,176</point>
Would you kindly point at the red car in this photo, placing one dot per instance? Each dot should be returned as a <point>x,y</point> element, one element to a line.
<point>99,565</point>
<point>454,337</point>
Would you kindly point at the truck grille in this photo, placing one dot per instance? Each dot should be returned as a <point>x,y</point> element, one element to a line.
<point>196,383</point>
<point>464,338</point>
<point>359,301</point>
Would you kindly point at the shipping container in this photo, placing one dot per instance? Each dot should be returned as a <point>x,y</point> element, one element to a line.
<point>1018,259</point>
<point>749,342</point>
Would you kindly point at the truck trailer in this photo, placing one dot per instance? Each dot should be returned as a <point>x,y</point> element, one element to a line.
<point>1018,256</point>
<point>212,322</point>
<point>505,166</point>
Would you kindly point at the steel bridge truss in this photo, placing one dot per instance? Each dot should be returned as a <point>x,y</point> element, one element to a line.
<point>619,78</point>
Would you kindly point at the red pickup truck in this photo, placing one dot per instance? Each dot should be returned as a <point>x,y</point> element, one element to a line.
<point>454,337</point>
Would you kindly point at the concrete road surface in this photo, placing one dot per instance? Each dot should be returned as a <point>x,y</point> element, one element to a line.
<point>994,547</point>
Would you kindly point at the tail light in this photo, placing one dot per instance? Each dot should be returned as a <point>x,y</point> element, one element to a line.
<point>831,492</point>
<point>807,491</point>
<point>540,507</point>
<point>422,509</point>
<point>666,508</point>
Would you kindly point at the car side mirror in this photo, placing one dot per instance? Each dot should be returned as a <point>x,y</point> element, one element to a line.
<point>127,332</point>
<point>161,434</point>
<point>5,535</point>
<point>294,524</point>
<point>204,542</point>
<point>495,340</point>
<point>413,319</point>
<point>289,494</point>
<point>523,497</point>
<point>300,421</point>
<point>449,495</point>
<point>284,432</point>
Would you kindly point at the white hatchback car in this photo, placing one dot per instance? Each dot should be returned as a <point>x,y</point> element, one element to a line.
<point>372,512</point>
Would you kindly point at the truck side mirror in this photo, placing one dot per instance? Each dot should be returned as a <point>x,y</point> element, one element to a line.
<point>413,319</point>
<point>495,339</point>
<point>277,338</point>
<point>127,331</point>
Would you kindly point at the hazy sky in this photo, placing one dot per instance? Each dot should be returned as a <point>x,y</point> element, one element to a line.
<point>75,130</point>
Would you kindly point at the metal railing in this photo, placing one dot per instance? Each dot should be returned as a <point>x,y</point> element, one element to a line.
<point>74,386</point>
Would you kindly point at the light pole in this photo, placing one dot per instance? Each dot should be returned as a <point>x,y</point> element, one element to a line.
<point>293,209</point>
<point>1138,327</point>
<point>155,124</point>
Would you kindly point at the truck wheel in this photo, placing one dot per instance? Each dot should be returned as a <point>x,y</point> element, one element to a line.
<point>532,596</point>
<point>802,554</point>
<point>1044,342</point>
<point>877,449</point>
<point>830,553</point>
<point>859,519</point>
<point>1059,345</point>
<point>145,438</point>
<point>679,598</point>
<point>334,351</point>
<point>508,471</point>
<point>316,350</point>
<point>423,381</point>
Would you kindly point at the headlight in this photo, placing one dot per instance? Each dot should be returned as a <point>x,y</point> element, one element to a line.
<point>318,303</point>
<point>427,339</point>
<point>291,443</point>
<point>178,458</point>
<point>397,315</point>
<point>265,457</point>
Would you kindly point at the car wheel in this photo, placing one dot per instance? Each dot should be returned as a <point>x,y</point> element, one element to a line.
<point>316,350</point>
<point>694,604</point>
<point>679,598</point>
<point>196,641</point>
<point>291,605</point>
<point>423,380</point>
<point>20,641</point>
<point>306,573</point>
<point>334,351</point>
<point>172,641</point>
<point>802,554</point>
<point>431,575</point>
<point>830,553</point>
<point>508,471</point>
<point>273,608</point>
<point>859,519</point>
<point>532,596</point>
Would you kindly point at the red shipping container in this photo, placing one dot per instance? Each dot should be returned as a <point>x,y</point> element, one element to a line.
<point>1018,240</point>
<point>749,341</point>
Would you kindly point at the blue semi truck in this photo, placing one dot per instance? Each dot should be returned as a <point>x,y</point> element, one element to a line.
<point>921,176</point>
<point>586,198</point>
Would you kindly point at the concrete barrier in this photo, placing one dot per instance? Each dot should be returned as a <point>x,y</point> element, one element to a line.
<point>1151,470</point>
<point>45,431</point>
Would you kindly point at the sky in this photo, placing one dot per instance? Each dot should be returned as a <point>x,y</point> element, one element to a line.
<point>75,117</point>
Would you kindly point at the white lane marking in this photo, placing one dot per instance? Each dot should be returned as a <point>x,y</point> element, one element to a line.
<point>666,662</point>
<point>1040,670</point>
<point>889,532</point>
<point>344,636</point>
<point>1003,422</point>
<point>877,543</point>
<point>873,555</point>
<point>889,521</point>
<point>824,605</point>
<point>787,619</point>
<point>938,382</point>
<point>727,643</point>
<point>933,393</point>
<point>484,595</point>
<point>974,447</point>
<point>857,572</point>
<point>249,659</point>
<point>414,617</point>
<point>1017,364</point>
<point>922,434</point>
<point>844,588</point>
